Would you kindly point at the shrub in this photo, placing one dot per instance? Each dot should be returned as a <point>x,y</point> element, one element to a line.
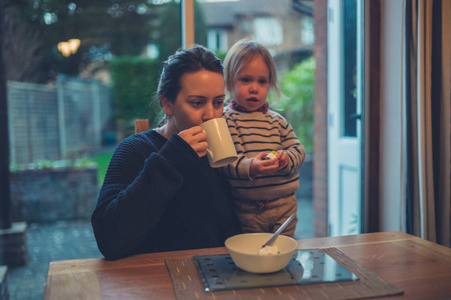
<point>135,81</point>
<point>43,164</point>
<point>297,107</point>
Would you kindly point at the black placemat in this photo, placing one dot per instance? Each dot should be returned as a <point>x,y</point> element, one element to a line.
<point>219,272</point>
<point>188,284</point>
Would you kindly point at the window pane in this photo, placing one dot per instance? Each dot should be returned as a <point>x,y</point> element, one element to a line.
<point>307,35</point>
<point>350,67</point>
<point>285,27</point>
<point>79,73</point>
<point>268,31</point>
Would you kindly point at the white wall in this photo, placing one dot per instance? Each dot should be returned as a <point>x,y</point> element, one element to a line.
<point>390,143</point>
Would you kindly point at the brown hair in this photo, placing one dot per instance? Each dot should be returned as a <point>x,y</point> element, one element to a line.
<point>184,61</point>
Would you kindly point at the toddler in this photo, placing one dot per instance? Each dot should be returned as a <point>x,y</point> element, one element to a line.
<point>263,186</point>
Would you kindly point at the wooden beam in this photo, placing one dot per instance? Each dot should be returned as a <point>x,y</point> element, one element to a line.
<point>188,38</point>
<point>372,142</point>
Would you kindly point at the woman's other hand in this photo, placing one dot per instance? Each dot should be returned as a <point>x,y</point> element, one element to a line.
<point>196,138</point>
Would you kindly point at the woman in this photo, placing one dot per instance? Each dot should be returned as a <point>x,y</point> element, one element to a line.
<point>160,193</point>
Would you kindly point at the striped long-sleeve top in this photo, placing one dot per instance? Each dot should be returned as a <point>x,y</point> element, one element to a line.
<point>256,132</point>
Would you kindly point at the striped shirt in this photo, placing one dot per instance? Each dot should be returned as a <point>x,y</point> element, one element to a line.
<point>256,132</point>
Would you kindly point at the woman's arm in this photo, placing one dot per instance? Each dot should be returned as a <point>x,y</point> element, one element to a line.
<point>139,184</point>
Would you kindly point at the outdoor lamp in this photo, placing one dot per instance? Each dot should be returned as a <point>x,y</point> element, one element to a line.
<point>69,47</point>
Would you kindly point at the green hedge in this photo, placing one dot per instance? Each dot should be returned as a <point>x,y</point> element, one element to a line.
<point>135,81</point>
<point>297,107</point>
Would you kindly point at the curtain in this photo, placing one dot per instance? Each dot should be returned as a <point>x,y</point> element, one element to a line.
<point>426,120</point>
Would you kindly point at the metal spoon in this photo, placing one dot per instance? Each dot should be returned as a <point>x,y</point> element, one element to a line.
<point>281,228</point>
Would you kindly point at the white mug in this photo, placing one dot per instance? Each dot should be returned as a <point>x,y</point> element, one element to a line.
<point>221,150</point>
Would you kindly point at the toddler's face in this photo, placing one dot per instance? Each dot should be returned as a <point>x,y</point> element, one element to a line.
<point>250,86</point>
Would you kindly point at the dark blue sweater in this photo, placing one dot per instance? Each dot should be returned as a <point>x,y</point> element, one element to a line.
<point>158,195</point>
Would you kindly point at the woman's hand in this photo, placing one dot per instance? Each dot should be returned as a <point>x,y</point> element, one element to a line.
<point>196,138</point>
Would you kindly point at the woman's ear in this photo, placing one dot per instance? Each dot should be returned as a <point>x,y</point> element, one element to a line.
<point>167,105</point>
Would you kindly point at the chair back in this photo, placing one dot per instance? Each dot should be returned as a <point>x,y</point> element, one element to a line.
<point>141,125</point>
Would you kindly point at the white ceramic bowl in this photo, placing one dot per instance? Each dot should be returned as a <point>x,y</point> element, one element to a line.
<point>243,248</point>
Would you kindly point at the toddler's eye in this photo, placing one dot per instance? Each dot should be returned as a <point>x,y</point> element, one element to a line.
<point>263,81</point>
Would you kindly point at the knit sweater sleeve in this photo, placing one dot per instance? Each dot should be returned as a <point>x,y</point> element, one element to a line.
<point>254,133</point>
<point>291,145</point>
<point>140,182</point>
<point>288,142</point>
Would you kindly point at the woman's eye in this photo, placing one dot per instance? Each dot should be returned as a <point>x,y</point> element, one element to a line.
<point>197,103</point>
<point>218,104</point>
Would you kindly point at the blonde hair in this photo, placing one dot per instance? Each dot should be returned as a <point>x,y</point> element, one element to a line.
<point>243,52</point>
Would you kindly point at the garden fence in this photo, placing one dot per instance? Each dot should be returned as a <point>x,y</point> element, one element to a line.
<point>53,122</point>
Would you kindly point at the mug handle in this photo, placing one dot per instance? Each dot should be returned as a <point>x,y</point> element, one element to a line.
<point>208,150</point>
<point>210,153</point>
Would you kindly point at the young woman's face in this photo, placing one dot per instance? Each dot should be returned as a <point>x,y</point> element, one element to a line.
<point>200,99</point>
<point>250,86</point>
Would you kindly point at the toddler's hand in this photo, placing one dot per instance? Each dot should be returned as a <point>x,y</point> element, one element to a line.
<point>283,159</point>
<point>260,166</point>
<point>196,138</point>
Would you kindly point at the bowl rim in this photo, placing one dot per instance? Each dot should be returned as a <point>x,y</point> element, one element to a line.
<point>262,233</point>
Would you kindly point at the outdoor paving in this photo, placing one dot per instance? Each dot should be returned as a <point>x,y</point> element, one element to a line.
<point>75,240</point>
<point>46,243</point>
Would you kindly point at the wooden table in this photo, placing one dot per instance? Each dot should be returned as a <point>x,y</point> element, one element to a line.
<point>418,267</point>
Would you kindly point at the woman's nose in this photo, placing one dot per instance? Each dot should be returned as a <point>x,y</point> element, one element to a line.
<point>208,113</point>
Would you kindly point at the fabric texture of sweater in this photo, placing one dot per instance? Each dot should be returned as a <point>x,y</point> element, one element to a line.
<point>256,132</point>
<point>158,195</point>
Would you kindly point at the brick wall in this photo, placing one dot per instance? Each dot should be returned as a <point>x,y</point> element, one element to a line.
<point>4,295</point>
<point>320,117</point>
<point>13,245</point>
<point>53,195</point>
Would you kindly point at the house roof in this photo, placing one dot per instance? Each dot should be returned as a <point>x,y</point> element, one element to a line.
<point>305,6</point>
<point>223,13</point>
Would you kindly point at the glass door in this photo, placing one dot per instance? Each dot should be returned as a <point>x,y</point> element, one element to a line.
<point>345,53</point>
